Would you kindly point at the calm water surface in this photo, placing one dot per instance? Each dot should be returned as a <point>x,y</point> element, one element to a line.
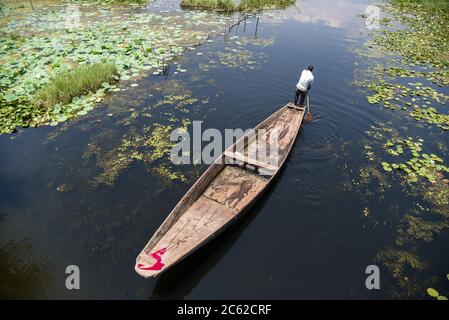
<point>306,238</point>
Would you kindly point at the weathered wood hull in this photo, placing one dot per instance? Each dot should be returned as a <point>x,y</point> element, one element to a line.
<point>222,194</point>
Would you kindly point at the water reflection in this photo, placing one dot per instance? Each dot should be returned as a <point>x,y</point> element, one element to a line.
<point>332,13</point>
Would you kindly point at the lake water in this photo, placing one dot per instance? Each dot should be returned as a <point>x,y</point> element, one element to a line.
<point>306,238</point>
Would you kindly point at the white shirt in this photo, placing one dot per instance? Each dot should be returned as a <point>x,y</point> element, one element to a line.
<point>305,81</point>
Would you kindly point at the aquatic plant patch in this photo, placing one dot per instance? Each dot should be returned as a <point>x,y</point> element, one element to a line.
<point>431,116</point>
<point>420,41</point>
<point>398,261</point>
<point>240,54</point>
<point>439,77</point>
<point>38,45</point>
<point>405,156</point>
<point>424,41</point>
<point>408,63</point>
<point>418,164</point>
<point>149,145</point>
<point>424,174</point>
<point>415,97</point>
<point>386,92</point>
<point>416,228</point>
<point>402,168</point>
<point>403,265</point>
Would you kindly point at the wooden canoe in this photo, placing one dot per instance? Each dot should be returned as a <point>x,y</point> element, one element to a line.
<point>221,195</point>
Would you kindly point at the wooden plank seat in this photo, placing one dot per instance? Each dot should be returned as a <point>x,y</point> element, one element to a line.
<point>258,164</point>
<point>292,106</point>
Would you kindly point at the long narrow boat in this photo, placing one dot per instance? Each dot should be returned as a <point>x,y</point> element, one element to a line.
<point>223,193</point>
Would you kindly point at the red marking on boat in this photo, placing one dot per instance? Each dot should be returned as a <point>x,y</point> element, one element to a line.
<point>158,265</point>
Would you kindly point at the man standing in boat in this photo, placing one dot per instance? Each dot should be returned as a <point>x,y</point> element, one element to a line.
<point>304,85</point>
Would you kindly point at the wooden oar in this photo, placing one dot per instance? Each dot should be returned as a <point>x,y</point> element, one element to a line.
<point>308,117</point>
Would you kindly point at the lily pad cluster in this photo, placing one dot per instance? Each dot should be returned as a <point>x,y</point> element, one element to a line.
<point>439,77</point>
<point>38,45</point>
<point>419,165</point>
<point>385,92</point>
<point>421,180</point>
<point>415,46</point>
<point>424,41</point>
<point>415,98</point>
<point>431,116</point>
<point>240,53</point>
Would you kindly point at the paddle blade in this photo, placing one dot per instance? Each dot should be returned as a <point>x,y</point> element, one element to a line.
<point>308,117</point>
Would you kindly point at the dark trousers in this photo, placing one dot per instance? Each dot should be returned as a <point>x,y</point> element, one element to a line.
<point>303,97</point>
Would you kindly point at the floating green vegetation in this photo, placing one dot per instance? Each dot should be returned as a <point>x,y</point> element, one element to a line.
<point>435,294</point>
<point>424,175</point>
<point>240,53</point>
<point>38,44</point>
<point>149,145</point>
<point>233,5</point>
<point>238,58</point>
<point>438,195</point>
<point>432,4</point>
<point>385,92</point>
<point>369,176</point>
<point>401,264</point>
<point>152,144</point>
<point>28,114</point>
<point>412,44</point>
<point>417,229</point>
<point>415,97</point>
<point>159,142</point>
<point>431,116</point>
<point>179,101</point>
<point>422,46</point>
<point>401,168</point>
<point>406,156</point>
<point>114,160</point>
<point>176,98</point>
<point>425,38</point>
<point>69,84</point>
<point>418,164</point>
<point>439,77</point>
<point>398,261</point>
